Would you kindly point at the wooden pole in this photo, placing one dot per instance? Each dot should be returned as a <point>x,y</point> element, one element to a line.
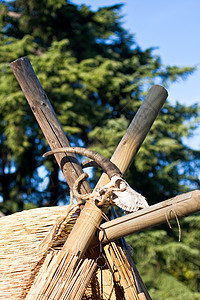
<point>79,239</point>
<point>91,216</point>
<point>179,206</point>
<point>77,243</point>
<point>47,120</point>
<point>137,130</point>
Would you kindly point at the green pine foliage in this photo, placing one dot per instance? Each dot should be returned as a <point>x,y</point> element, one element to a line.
<point>96,77</point>
<point>170,269</point>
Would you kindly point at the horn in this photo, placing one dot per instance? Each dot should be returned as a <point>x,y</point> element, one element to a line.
<point>108,167</point>
<point>89,163</point>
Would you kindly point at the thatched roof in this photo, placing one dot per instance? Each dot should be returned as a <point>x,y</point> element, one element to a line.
<point>24,238</point>
<point>29,237</point>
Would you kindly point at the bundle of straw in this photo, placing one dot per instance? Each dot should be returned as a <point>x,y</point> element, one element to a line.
<point>56,284</point>
<point>116,280</point>
<point>25,238</point>
<point>35,241</point>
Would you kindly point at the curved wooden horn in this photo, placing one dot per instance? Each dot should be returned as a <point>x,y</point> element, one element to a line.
<point>108,167</point>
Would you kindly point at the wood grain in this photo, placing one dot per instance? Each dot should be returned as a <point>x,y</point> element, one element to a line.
<point>83,231</point>
<point>137,130</point>
<point>157,214</point>
<point>90,218</point>
<point>47,120</point>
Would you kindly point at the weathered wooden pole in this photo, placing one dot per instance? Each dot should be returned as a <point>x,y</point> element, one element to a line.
<point>90,217</point>
<point>78,242</point>
<point>179,206</point>
<point>47,120</point>
<point>137,130</point>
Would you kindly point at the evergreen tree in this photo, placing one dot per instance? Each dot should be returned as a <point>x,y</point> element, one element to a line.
<point>170,269</point>
<point>96,76</point>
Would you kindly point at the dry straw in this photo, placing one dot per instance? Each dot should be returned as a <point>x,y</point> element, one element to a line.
<point>32,240</point>
<point>55,283</point>
<point>25,238</point>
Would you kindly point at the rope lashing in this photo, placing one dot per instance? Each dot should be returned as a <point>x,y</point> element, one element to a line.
<point>117,191</point>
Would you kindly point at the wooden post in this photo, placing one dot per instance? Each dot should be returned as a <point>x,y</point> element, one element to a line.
<point>79,240</point>
<point>77,243</point>
<point>179,206</point>
<point>46,117</point>
<point>91,216</point>
<point>137,130</point>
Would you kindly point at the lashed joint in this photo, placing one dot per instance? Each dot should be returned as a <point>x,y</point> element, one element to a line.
<point>117,191</point>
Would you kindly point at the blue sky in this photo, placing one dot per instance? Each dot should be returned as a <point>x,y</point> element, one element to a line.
<point>172,26</point>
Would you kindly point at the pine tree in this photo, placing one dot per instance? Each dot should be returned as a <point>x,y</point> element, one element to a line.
<point>169,268</point>
<point>96,76</point>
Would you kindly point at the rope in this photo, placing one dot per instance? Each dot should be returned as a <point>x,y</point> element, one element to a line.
<point>172,210</point>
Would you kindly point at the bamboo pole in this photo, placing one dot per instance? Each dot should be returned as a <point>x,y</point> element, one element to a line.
<point>47,120</point>
<point>84,231</point>
<point>179,206</point>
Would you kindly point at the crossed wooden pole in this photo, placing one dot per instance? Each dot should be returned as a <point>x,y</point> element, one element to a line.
<point>84,232</point>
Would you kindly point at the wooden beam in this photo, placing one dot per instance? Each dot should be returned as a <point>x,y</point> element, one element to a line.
<point>47,120</point>
<point>179,206</point>
<point>137,130</point>
<point>90,218</point>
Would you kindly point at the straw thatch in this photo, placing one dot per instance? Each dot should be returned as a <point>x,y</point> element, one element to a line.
<point>55,283</point>
<point>117,278</point>
<point>24,239</point>
<point>30,239</point>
